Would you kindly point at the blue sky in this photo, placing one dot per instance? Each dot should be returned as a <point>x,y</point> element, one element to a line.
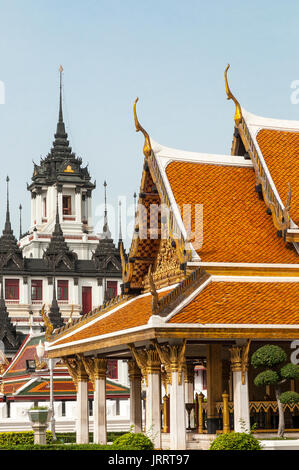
<point>169,53</point>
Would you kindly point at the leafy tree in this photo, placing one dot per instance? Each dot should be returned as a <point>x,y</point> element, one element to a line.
<point>272,358</point>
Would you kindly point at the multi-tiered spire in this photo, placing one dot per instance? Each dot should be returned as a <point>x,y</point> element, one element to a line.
<point>61,164</point>
<point>54,312</point>
<point>106,252</point>
<point>9,249</point>
<point>58,250</point>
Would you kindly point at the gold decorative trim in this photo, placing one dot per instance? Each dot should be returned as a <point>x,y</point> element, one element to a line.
<point>280,214</point>
<point>47,323</point>
<point>147,148</point>
<point>230,96</point>
<point>239,359</point>
<point>173,358</point>
<point>147,360</point>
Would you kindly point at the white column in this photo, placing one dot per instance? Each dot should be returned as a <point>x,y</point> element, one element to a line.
<point>78,206</point>
<point>173,358</point>
<point>38,209</point>
<point>153,407</point>
<point>135,397</point>
<point>189,391</point>
<point>99,410</point>
<point>33,211</point>
<point>82,428</point>
<point>239,366</point>
<point>25,292</point>
<point>241,402</point>
<point>60,206</point>
<point>177,412</point>
<point>89,211</point>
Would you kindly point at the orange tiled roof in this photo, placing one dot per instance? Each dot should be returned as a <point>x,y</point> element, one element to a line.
<point>280,150</point>
<point>236,227</point>
<point>243,303</point>
<point>131,315</point>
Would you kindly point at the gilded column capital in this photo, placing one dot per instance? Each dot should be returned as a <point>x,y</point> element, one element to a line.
<point>100,367</point>
<point>147,360</point>
<point>133,370</point>
<point>76,369</point>
<point>173,358</point>
<point>189,372</point>
<point>239,359</point>
<point>95,367</point>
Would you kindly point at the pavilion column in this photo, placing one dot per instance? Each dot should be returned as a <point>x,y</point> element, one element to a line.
<point>149,363</point>
<point>173,358</point>
<point>135,396</point>
<point>214,385</point>
<point>239,366</point>
<point>96,367</point>
<point>153,398</point>
<point>100,415</point>
<point>189,389</point>
<point>78,373</point>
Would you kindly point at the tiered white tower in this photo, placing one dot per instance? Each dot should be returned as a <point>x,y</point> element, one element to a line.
<point>60,176</point>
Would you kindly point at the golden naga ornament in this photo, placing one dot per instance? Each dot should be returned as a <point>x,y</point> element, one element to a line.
<point>47,323</point>
<point>230,96</point>
<point>70,320</point>
<point>147,148</point>
<point>153,291</point>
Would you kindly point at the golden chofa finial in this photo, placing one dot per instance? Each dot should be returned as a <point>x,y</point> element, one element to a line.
<point>230,96</point>
<point>147,148</point>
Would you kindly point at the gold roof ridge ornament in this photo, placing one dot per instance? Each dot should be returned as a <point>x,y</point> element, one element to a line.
<point>153,291</point>
<point>147,148</point>
<point>230,96</point>
<point>47,323</point>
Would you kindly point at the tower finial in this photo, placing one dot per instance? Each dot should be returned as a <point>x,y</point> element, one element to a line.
<point>20,209</point>
<point>106,231</point>
<point>230,96</point>
<point>60,94</point>
<point>7,221</point>
<point>60,132</point>
<point>120,237</point>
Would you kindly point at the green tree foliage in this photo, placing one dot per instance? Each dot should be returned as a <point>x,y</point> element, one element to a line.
<point>273,357</point>
<point>269,355</point>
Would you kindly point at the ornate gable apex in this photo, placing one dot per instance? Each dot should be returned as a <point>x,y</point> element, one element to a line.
<point>272,145</point>
<point>158,239</point>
